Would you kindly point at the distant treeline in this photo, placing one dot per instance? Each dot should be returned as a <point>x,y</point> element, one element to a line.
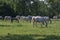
<point>29,7</point>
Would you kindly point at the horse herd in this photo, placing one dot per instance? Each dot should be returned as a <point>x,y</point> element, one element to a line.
<point>43,20</point>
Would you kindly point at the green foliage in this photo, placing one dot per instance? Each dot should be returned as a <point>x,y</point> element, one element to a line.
<point>24,7</point>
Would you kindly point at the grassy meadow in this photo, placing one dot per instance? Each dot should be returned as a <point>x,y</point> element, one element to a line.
<point>25,31</point>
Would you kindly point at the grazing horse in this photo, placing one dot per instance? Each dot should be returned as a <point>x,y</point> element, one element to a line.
<point>26,18</point>
<point>7,18</point>
<point>14,18</point>
<point>22,18</point>
<point>1,17</point>
<point>47,19</point>
<point>55,18</point>
<point>42,20</point>
<point>29,18</point>
<point>18,17</point>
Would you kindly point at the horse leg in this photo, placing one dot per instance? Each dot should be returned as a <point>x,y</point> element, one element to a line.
<point>36,24</point>
<point>17,20</point>
<point>41,24</point>
<point>30,21</point>
<point>11,20</point>
<point>33,24</point>
<point>50,21</point>
<point>46,24</point>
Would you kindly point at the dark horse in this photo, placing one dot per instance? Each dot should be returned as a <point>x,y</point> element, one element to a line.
<point>15,18</point>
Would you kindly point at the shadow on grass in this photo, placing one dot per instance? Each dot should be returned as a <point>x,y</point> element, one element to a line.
<point>29,37</point>
<point>16,37</point>
<point>47,37</point>
<point>50,37</point>
<point>10,25</point>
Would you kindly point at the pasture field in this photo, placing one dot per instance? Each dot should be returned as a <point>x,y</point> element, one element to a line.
<point>25,31</point>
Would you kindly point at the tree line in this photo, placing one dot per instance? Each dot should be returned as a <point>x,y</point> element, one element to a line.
<point>30,7</point>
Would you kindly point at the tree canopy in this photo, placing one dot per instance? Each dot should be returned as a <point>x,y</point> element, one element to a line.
<point>30,7</point>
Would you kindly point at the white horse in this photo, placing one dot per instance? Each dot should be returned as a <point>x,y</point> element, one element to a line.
<point>7,18</point>
<point>40,19</point>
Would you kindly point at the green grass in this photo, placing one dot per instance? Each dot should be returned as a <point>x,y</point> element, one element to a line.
<point>25,31</point>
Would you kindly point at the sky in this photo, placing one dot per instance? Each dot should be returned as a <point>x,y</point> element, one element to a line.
<point>41,0</point>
